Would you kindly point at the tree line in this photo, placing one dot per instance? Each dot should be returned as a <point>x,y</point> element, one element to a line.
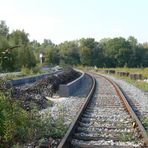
<point>17,51</point>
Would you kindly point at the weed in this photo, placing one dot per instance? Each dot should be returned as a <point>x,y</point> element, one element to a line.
<point>145,123</point>
<point>125,137</point>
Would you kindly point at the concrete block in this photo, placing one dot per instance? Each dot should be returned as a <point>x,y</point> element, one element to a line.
<point>66,90</point>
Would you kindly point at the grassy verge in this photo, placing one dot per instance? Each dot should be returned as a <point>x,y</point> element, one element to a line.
<point>143,71</point>
<point>137,83</point>
<point>23,73</point>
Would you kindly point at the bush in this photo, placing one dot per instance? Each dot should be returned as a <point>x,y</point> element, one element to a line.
<point>25,71</point>
<point>18,126</point>
<point>9,77</point>
<point>12,119</point>
<point>36,70</point>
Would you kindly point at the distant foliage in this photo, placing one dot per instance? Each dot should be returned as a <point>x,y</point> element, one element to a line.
<point>116,52</point>
<point>15,50</point>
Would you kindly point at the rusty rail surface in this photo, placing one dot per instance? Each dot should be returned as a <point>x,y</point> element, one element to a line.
<point>123,97</point>
<point>65,143</point>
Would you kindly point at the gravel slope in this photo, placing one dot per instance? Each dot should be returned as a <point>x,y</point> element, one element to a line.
<point>69,106</point>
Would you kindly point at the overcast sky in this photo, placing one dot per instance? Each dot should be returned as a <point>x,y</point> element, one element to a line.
<point>61,20</point>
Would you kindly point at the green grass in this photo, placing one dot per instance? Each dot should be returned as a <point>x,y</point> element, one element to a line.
<point>145,123</point>
<point>126,137</point>
<point>17,126</point>
<point>137,83</point>
<point>143,71</point>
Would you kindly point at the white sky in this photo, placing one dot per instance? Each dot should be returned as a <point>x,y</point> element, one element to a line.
<point>61,20</point>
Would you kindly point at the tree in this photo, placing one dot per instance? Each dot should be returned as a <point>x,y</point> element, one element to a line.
<point>52,53</point>
<point>124,57</point>
<point>18,37</point>
<point>47,42</point>
<point>132,41</point>
<point>4,30</point>
<point>111,49</point>
<point>69,53</point>
<point>91,52</point>
<point>85,56</point>
<point>136,57</point>
<point>7,59</point>
<point>23,56</point>
<point>26,57</point>
<point>145,58</point>
<point>3,46</point>
<point>35,44</point>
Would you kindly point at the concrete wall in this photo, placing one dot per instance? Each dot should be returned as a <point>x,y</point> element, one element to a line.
<point>25,80</point>
<point>66,90</point>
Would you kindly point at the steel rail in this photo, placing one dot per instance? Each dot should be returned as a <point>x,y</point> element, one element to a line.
<point>65,143</point>
<point>123,97</point>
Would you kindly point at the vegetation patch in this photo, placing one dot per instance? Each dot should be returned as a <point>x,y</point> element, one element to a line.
<point>138,83</point>
<point>126,137</point>
<point>145,123</point>
<point>18,126</point>
<point>141,84</point>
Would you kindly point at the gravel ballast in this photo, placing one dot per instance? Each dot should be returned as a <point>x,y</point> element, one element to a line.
<point>68,107</point>
<point>137,95</point>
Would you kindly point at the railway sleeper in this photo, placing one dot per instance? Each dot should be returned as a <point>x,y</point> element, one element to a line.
<point>98,108</point>
<point>110,125</point>
<point>103,144</point>
<point>106,136</point>
<point>107,126</point>
<point>105,129</point>
<point>106,114</point>
<point>101,112</point>
<point>108,120</point>
<point>121,117</point>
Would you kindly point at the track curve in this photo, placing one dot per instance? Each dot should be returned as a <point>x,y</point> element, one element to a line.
<point>105,120</point>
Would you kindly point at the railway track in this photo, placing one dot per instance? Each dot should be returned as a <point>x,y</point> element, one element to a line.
<point>106,120</point>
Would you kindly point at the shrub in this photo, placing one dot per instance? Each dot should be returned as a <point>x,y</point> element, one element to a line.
<point>17,126</point>
<point>36,70</point>
<point>25,71</point>
<point>12,119</point>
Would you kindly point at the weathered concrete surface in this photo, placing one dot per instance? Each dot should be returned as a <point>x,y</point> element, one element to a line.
<point>66,90</point>
<point>25,80</point>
